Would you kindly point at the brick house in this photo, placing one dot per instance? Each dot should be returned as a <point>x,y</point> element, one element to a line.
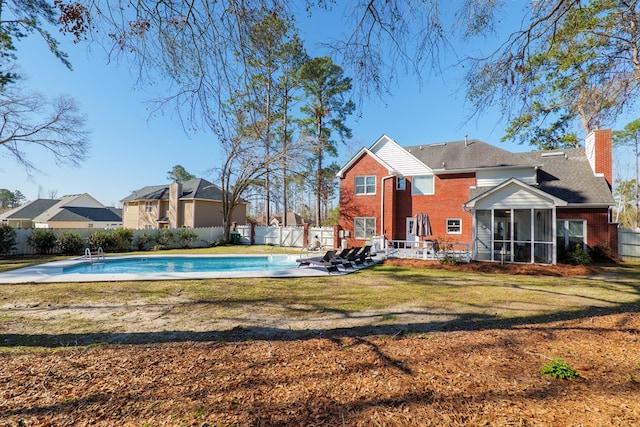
<point>516,207</point>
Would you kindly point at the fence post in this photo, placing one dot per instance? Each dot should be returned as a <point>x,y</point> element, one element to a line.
<point>305,235</point>
<point>252,234</point>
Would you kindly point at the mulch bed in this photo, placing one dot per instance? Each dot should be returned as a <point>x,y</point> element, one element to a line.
<point>558,270</point>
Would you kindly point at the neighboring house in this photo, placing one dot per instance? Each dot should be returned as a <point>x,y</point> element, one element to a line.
<point>516,207</point>
<point>194,203</point>
<point>75,211</point>
<point>293,220</point>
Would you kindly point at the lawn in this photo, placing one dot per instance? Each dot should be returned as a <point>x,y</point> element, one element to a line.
<point>388,345</point>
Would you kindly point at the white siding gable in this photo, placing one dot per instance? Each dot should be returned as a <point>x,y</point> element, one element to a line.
<point>398,158</point>
<point>514,196</point>
<point>493,177</point>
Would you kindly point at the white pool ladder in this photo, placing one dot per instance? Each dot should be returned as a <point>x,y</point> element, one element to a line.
<point>100,255</point>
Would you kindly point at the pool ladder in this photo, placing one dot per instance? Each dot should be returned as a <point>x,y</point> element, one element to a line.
<point>100,255</point>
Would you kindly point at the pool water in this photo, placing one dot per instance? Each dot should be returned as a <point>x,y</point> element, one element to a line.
<point>182,264</point>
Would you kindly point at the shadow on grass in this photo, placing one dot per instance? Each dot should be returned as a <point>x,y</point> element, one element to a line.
<point>460,322</point>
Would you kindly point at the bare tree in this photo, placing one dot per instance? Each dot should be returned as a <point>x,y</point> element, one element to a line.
<point>30,120</point>
<point>204,46</point>
<point>242,165</point>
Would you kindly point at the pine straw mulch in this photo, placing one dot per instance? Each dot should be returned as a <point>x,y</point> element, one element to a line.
<point>487,377</point>
<point>557,270</point>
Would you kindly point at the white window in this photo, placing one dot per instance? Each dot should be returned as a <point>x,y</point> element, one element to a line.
<point>454,226</point>
<point>401,183</point>
<point>148,207</point>
<point>366,184</point>
<point>422,185</point>
<point>364,228</point>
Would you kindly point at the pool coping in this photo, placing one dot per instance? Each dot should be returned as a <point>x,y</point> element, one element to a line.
<point>49,272</point>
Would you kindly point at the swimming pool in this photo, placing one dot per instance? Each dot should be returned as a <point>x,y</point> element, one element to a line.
<point>161,267</point>
<point>181,264</point>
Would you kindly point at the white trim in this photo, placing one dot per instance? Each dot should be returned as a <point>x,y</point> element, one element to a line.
<point>365,218</point>
<point>360,154</point>
<point>365,185</point>
<point>413,186</point>
<point>459,225</point>
<point>526,187</point>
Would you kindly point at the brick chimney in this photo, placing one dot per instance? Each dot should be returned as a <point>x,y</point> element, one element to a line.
<point>598,148</point>
<point>175,191</point>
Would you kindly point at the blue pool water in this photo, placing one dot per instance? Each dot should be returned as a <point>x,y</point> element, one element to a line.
<point>145,265</point>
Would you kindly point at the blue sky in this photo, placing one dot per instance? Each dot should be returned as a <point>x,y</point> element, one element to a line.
<point>130,149</point>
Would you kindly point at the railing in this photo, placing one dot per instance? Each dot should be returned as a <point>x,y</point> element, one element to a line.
<point>100,255</point>
<point>427,250</point>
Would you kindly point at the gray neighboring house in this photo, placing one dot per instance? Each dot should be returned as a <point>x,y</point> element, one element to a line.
<point>194,203</point>
<point>76,211</point>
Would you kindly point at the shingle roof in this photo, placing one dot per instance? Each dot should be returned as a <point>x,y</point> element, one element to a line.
<point>196,188</point>
<point>76,213</point>
<point>570,177</point>
<point>151,192</point>
<point>466,155</point>
<point>31,209</point>
<point>566,175</point>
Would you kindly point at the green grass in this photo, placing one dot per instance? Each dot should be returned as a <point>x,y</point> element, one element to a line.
<point>388,292</point>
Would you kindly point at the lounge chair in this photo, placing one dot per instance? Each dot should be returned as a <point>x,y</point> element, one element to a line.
<point>363,256</point>
<point>325,261</point>
<point>345,257</point>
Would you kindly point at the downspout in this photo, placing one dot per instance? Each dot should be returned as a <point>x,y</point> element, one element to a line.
<point>382,205</point>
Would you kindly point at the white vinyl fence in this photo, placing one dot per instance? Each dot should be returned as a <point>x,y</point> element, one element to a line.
<point>629,244</point>
<point>207,236</point>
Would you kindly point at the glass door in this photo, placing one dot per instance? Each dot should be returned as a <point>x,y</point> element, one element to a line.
<point>502,243</point>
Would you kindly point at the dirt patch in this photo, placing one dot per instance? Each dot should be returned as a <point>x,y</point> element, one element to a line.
<point>558,270</point>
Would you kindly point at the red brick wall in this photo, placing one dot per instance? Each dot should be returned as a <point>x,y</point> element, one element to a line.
<point>603,154</point>
<point>352,205</point>
<point>599,231</point>
<point>451,191</point>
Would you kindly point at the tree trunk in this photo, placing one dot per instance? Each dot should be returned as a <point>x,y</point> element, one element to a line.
<point>320,146</point>
<point>637,196</point>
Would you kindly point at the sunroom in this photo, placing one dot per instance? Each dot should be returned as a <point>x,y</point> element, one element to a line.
<point>514,222</point>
